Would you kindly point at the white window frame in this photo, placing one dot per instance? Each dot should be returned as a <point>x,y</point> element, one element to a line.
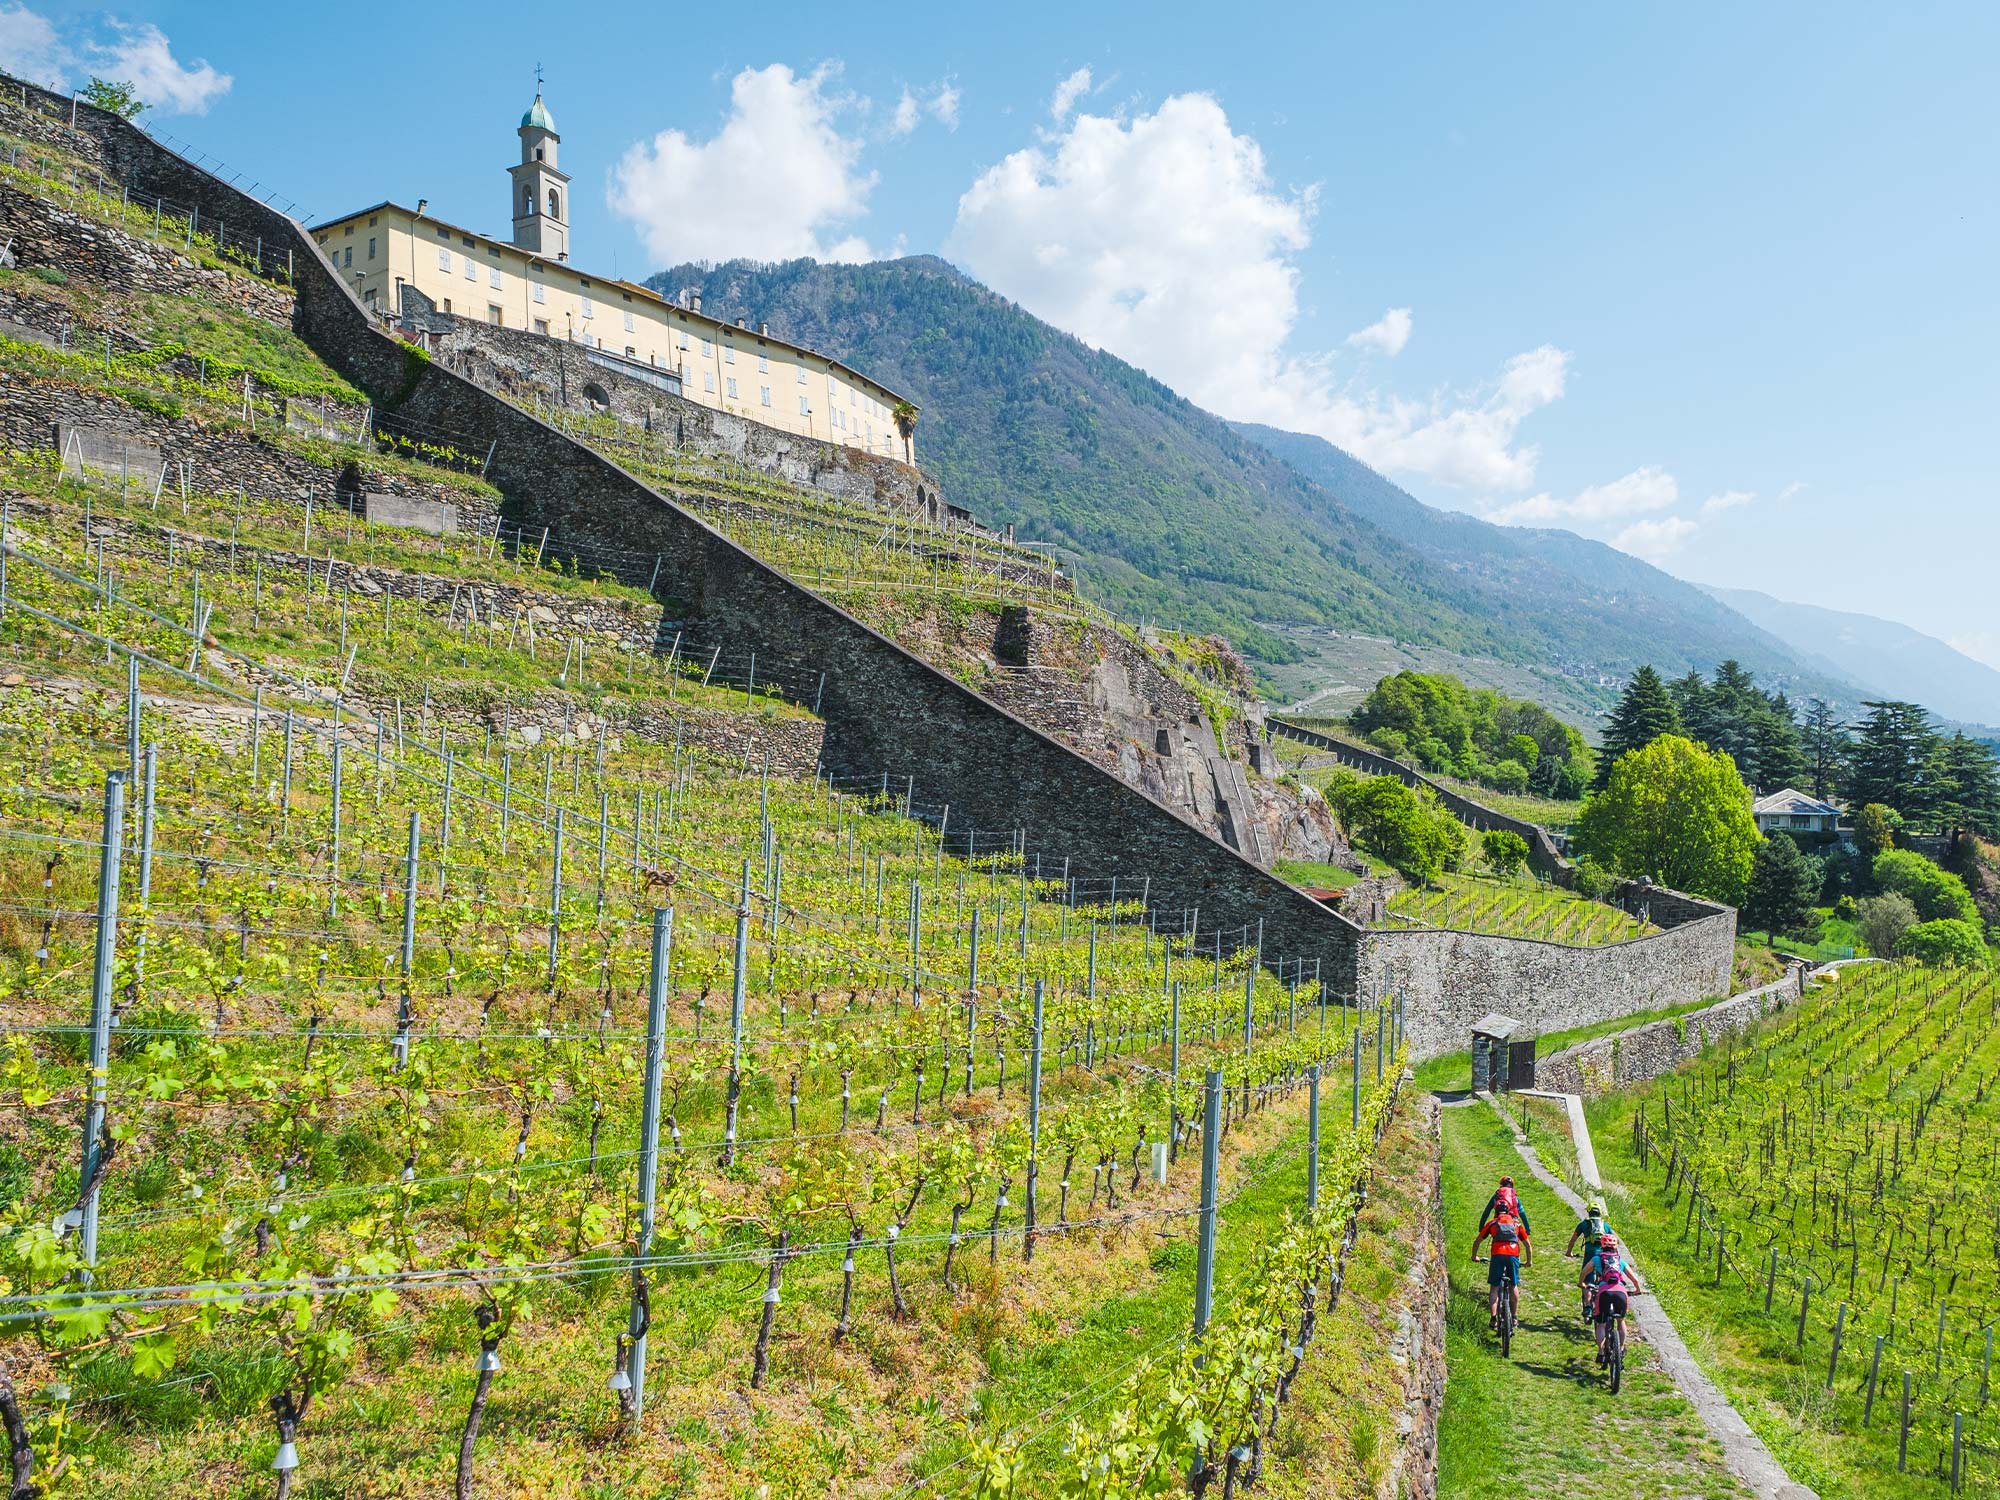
<point>629,326</point>
<point>589,311</point>
<point>493,278</point>
<point>444,260</point>
<point>708,381</point>
<point>764,393</point>
<point>731,392</point>
<point>541,292</point>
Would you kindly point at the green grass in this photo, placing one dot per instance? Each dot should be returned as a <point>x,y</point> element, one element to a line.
<point>1516,907</point>
<point>1453,1070</point>
<point>1550,812</point>
<point>1314,873</point>
<point>1829,937</point>
<point>1544,1421</point>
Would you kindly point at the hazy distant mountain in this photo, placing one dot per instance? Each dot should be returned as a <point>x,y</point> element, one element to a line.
<point>1888,659</point>
<point>1602,609</point>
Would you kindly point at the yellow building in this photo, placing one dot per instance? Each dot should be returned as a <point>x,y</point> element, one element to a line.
<point>529,285</point>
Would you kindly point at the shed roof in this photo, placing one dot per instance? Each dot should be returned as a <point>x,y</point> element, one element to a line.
<point>1500,1027</point>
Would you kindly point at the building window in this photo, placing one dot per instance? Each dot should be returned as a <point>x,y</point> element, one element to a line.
<point>729,354</point>
<point>707,349</point>
<point>805,407</point>
<point>684,338</point>
<point>371,247</point>
<point>493,314</point>
<point>628,323</point>
<point>347,257</point>
<point>630,352</point>
<point>447,304</point>
<point>542,327</point>
<point>802,374</point>
<point>588,310</point>
<point>493,277</point>
<point>763,364</point>
<point>708,381</point>
<point>527,203</point>
<point>764,394</point>
<point>541,292</point>
<point>443,233</point>
<point>555,206</point>
<point>471,271</point>
<point>732,388</point>
<point>444,261</point>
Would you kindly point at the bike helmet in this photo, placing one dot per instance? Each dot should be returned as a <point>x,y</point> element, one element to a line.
<point>1609,1242</point>
<point>1596,1207</point>
<point>1506,1181</point>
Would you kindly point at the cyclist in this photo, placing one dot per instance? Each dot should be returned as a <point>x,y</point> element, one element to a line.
<point>1505,1197</point>
<point>1615,1281</point>
<point>1591,1229</point>
<point>1509,1233</point>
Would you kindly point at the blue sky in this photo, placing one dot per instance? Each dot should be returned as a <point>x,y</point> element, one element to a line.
<point>1717,287</point>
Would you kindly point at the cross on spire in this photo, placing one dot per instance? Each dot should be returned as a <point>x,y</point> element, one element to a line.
<point>538,78</point>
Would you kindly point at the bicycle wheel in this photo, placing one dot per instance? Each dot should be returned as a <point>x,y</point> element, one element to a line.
<point>1506,1327</point>
<point>1617,1355</point>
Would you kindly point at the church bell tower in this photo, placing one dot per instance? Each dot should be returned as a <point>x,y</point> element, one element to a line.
<point>541,189</point>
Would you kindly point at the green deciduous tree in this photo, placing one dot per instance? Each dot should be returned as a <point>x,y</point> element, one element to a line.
<point>1505,850</point>
<point>115,98</point>
<point>1643,714</point>
<point>1937,894</point>
<point>1946,944</point>
<point>1874,829</point>
<point>1410,829</point>
<point>1675,813</point>
<point>1784,884</point>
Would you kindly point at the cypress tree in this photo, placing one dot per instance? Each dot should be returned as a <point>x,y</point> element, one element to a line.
<point>1643,714</point>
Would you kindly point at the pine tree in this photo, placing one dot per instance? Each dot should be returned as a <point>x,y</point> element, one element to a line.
<point>1968,784</point>
<point>1643,714</point>
<point>1890,760</point>
<point>1784,884</point>
<point>1824,745</point>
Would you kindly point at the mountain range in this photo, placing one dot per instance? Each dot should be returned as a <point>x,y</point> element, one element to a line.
<point>1165,510</point>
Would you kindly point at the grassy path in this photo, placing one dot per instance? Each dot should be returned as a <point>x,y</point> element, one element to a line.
<point>1544,1418</point>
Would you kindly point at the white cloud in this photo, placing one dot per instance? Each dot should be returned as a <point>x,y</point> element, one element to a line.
<point>1161,238</point>
<point>1656,539</point>
<point>1642,491</point>
<point>1727,500</point>
<point>30,48</point>
<point>776,181</point>
<point>1387,334</point>
<point>140,55</point>
<point>940,101</point>
<point>1790,490</point>
<point>1980,645</point>
<point>1067,93</point>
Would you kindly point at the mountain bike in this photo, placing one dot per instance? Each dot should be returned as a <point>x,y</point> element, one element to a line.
<point>1612,1356</point>
<point>1504,1323</point>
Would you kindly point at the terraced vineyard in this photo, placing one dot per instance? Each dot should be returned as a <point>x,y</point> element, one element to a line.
<point>1821,1192</point>
<point>1514,909</point>
<point>443,1050</point>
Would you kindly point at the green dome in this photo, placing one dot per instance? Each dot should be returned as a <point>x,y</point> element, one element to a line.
<point>538,117</point>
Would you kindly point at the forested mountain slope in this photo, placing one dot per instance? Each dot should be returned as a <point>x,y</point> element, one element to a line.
<point>1169,511</point>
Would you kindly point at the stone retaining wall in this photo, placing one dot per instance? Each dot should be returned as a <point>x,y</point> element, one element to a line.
<point>1609,1062</point>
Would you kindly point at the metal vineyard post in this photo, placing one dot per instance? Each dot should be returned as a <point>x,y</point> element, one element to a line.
<point>649,1138</point>
<point>110,854</point>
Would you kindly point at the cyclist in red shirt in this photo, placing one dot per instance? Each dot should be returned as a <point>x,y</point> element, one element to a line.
<point>1510,1248</point>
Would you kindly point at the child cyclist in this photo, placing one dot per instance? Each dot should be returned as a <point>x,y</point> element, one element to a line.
<point>1615,1280</point>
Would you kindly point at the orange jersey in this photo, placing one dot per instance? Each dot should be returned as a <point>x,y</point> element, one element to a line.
<point>1506,1233</point>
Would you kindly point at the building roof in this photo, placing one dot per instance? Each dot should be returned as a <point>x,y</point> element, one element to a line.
<point>1499,1027</point>
<point>633,287</point>
<point>538,117</point>
<point>1794,802</point>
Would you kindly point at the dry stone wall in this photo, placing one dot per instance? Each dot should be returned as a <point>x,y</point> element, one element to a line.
<point>1609,1062</point>
<point>885,711</point>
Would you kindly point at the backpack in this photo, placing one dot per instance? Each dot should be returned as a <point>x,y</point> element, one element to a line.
<point>1505,1201</point>
<point>1611,1275</point>
<point>1593,1230</point>
<point>1506,1234</point>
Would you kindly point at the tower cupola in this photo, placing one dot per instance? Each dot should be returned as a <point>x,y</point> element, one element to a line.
<point>539,186</point>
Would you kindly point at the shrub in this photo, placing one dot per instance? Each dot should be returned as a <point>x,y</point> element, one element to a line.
<point>1507,776</point>
<point>1593,881</point>
<point>1846,908</point>
<point>1937,894</point>
<point>1505,850</point>
<point>1883,920</point>
<point>1409,829</point>
<point>1946,944</point>
<point>1875,829</point>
